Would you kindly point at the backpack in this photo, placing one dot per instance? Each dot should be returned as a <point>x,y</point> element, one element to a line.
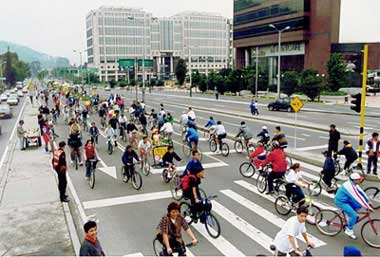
<point>185,182</point>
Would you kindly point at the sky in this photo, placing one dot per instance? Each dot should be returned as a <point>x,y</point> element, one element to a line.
<point>57,27</point>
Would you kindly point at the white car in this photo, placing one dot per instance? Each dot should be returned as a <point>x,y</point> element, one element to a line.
<point>13,90</point>
<point>3,97</point>
<point>12,100</point>
<point>7,93</point>
<point>25,90</point>
<point>20,94</point>
<point>107,88</point>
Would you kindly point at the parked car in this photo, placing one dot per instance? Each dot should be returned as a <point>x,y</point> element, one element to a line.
<point>13,90</point>
<point>3,97</point>
<point>5,111</point>
<point>107,88</point>
<point>280,104</point>
<point>25,90</point>
<point>12,100</point>
<point>20,94</point>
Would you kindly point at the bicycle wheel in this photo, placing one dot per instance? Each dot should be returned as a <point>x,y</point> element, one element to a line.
<point>373,194</point>
<point>186,150</point>
<point>157,247</point>
<point>282,205</point>
<point>329,222</point>
<point>110,148</point>
<point>315,189</point>
<point>212,225</point>
<point>164,175</point>
<point>91,181</point>
<point>261,182</point>
<point>338,169</point>
<point>175,188</point>
<point>185,211</point>
<point>76,160</point>
<point>289,161</point>
<point>146,168</point>
<point>247,170</point>
<point>213,146</point>
<point>225,149</point>
<point>238,145</point>
<point>371,233</point>
<point>136,180</point>
<point>311,217</point>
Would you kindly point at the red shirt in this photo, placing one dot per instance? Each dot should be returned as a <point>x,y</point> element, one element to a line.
<point>278,159</point>
<point>90,152</point>
<point>257,152</point>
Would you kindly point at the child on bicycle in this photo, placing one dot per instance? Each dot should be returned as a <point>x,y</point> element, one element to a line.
<point>258,155</point>
<point>129,158</point>
<point>168,160</point>
<point>90,157</point>
<point>94,133</point>
<point>144,147</point>
<point>295,182</point>
<point>190,188</point>
<point>109,133</point>
<point>156,137</point>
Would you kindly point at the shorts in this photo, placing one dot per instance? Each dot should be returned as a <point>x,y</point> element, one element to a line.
<point>221,136</point>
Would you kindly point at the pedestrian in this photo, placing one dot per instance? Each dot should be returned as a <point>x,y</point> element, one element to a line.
<point>217,95</point>
<point>91,245</point>
<point>60,166</point>
<point>20,135</point>
<point>333,139</point>
<point>372,149</point>
<point>31,93</point>
<point>46,135</point>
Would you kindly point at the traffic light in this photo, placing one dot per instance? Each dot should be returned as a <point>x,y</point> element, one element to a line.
<point>357,102</point>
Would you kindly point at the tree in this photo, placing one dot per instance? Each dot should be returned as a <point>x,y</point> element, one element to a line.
<point>10,71</point>
<point>15,70</point>
<point>311,83</point>
<point>290,82</point>
<point>338,75</point>
<point>237,80</point>
<point>112,83</point>
<point>160,83</point>
<point>122,83</point>
<point>42,74</point>
<point>248,75</point>
<point>180,71</point>
<point>203,83</point>
<point>91,78</point>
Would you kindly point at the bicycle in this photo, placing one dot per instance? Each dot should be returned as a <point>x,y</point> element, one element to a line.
<point>176,188</point>
<point>213,145</point>
<point>135,177</point>
<point>171,169</point>
<point>187,150</point>
<point>262,182</point>
<point>305,252</point>
<point>316,188</point>
<point>76,157</point>
<point>91,181</point>
<point>284,206</point>
<point>110,144</point>
<point>240,146</point>
<point>331,223</point>
<point>159,248</point>
<point>346,172</point>
<point>247,169</point>
<point>206,216</point>
<point>145,166</point>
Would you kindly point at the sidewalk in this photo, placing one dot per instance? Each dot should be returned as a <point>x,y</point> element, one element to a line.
<point>32,219</point>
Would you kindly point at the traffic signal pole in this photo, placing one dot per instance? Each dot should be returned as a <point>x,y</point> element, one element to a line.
<point>362,110</point>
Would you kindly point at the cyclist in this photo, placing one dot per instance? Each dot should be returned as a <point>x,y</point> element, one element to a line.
<point>85,116</point>
<point>211,122</point>
<point>258,155</point>
<point>279,166</point>
<point>153,118</point>
<point>94,133</point>
<point>109,134</point>
<point>192,138</point>
<point>131,127</point>
<point>143,122</point>
<point>295,182</point>
<point>183,119</point>
<point>90,157</point>
<point>245,133</point>
<point>144,147</point>
<point>156,137</point>
<point>328,172</point>
<point>75,143</point>
<point>114,122</point>
<point>128,160</point>
<point>280,137</point>
<point>286,239</point>
<point>191,114</point>
<point>123,124</point>
<point>194,165</point>
<point>168,130</point>
<point>168,160</point>
<point>349,153</point>
<point>161,113</point>
<point>169,232</point>
<point>102,115</point>
<point>350,198</point>
<point>220,133</point>
<point>264,135</point>
<point>191,123</point>
<point>169,118</point>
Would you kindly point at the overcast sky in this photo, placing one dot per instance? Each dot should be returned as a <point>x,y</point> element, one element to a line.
<point>56,27</point>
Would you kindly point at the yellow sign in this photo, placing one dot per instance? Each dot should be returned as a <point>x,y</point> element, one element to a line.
<point>296,104</point>
<point>159,152</point>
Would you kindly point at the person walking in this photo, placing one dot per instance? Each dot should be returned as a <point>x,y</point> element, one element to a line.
<point>372,148</point>
<point>253,107</point>
<point>20,135</point>
<point>60,166</point>
<point>91,245</point>
<point>334,137</point>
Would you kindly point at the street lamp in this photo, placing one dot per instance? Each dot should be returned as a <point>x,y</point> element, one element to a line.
<point>279,56</point>
<point>80,67</point>
<point>132,18</point>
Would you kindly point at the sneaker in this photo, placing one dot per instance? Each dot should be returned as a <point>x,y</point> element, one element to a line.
<point>125,179</point>
<point>87,178</point>
<point>350,233</point>
<point>81,164</point>
<point>71,162</point>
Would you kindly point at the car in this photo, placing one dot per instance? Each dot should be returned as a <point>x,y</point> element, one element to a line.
<point>12,100</point>
<point>94,87</point>
<point>8,93</point>
<point>13,90</point>
<point>280,104</point>
<point>3,97</point>
<point>5,111</point>
<point>107,88</point>
<point>25,90</point>
<point>20,94</point>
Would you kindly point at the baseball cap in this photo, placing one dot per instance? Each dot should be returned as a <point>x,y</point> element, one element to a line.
<point>355,175</point>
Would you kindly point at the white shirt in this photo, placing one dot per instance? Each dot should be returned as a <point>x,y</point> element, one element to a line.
<point>219,129</point>
<point>109,132</point>
<point>291,228</point>
<point>183,119</point>
<point>167,127</point>
<point>161,114</point>
<point>191,114</point>
<point>293,176</point>
<point>122,120</point>
<point>143,145</point>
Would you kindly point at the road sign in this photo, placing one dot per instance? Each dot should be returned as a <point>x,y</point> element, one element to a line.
<point>127,63</point>
<point>296,104</point>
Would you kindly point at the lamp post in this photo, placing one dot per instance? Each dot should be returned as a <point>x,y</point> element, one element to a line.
<point>80,67</point>
<point>280,31</point>
<point>134,32</point>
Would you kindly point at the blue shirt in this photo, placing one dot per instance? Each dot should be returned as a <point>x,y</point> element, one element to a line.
<point>192,134</point>
<point>210,123</point>
<point>193,166</point>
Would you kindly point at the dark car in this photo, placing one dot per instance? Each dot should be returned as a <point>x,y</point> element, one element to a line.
<point>280,104</point>
<point>5,111</point>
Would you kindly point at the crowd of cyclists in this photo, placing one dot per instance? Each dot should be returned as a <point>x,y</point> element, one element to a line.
<point>144,130</point>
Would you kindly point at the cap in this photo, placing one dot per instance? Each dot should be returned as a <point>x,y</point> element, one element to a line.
<point>264,127</point>
<point>355,175</point>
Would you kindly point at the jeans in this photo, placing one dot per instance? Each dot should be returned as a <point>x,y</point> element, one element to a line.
<point>350,212</point>
<point>272,176</point>
<point>372,160</point>
<point>88,167</point>
<point>295,192</point>
<point>327,178</point>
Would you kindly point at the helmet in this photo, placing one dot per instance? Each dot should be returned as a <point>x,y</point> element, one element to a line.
<point>275,144</point>
<point>264,128</point>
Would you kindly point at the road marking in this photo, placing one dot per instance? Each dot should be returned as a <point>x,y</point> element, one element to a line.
<point>369,128</point>
<point>215,153</point>
<point>243,226</point>
<point>305,135</point>
<point>298,138</point>
<point>205,166</point>
<point>270,217</point>
<point>134,255</point>
<point>254,190</point>
<point>72,230</point>
<point>322,137</point>
<point>126,200</point>
<point>110,171</point>
<point>220,243</point>
<point>310,148</point>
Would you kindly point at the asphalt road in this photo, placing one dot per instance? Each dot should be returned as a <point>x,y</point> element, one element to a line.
<point>248,220</point>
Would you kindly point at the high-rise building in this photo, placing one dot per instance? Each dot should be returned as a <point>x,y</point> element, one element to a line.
<point>202,39</point>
